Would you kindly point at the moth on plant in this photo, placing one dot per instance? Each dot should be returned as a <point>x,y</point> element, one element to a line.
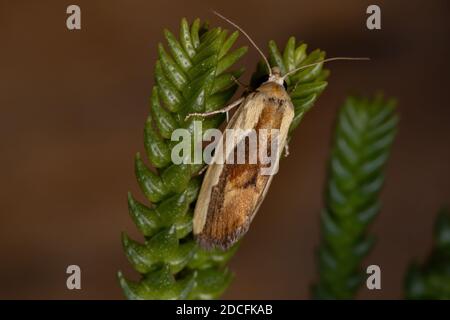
<point>232,193</point>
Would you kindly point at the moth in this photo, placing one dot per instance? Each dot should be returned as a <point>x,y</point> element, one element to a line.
<point>232,193</point>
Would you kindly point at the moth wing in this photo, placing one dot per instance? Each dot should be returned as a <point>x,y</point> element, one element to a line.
<point>212,177</point>
<point>284,130</point>
<point>232,193</point>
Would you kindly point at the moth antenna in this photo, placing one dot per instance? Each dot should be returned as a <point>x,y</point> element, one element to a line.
<point>323,61</point>
<point>248,37</point>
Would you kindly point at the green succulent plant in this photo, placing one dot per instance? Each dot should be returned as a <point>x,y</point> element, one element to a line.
<point>193,76</point>
<point>432,279</point>
<point>363,137</point>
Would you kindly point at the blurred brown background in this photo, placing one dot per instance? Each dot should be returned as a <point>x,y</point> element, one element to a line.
<point>72,111</point>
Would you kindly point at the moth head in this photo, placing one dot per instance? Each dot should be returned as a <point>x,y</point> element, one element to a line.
<point>275,76</point>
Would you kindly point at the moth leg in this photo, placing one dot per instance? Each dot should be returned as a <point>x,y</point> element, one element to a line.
<point>286,150</point>
<point>202,170</point>
<point>223,110</point>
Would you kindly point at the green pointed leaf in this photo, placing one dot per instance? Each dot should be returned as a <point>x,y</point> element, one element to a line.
<point>152,185</point>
